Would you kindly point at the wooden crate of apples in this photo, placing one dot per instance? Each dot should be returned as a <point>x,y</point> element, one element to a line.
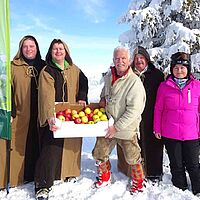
<point>75,120</point>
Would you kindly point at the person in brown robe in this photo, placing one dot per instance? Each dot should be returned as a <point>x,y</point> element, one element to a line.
<point>25,69</point>
<point>59,81</point>
<point>152,149</point>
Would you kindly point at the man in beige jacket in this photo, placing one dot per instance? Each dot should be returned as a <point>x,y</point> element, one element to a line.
<point>124,97</point>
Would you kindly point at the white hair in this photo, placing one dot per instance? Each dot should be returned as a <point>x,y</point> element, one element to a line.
<point>121,48</point>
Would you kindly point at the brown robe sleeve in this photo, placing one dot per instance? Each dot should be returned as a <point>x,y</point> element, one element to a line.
<point>46,97</point>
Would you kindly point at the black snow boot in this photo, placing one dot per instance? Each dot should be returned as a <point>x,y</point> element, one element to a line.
<point>42,194</point>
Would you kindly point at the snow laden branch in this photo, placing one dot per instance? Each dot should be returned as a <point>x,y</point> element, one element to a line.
<point>163,27</point>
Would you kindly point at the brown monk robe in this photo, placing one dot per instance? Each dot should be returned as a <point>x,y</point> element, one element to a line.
<point>25,69</point>
<point>59,81</point>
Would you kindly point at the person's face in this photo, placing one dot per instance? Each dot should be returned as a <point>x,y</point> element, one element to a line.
<point>140,62</point>
<point>29,49</point>
<point>180,71</point>
<point>58,52</point>
<point>121,61</point>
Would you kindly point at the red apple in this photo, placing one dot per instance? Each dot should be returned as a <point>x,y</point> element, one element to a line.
<point>90,116</point>
<point>67,111</point>
<point>60,113</point>
<point>77,121</point>
<point>69,116</point>
<point>61,117</point>
<point>67,119</point>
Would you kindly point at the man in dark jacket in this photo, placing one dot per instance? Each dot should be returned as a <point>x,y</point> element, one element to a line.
<point>152,149</point>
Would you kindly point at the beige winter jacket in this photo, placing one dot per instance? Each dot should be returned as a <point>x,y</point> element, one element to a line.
<point>125,101</point>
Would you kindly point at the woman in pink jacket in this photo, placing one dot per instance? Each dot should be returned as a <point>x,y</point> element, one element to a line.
<point>176,121</point>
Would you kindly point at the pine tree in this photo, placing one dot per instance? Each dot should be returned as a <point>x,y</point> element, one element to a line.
<point>163,27</point>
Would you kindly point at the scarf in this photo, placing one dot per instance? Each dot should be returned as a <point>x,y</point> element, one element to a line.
<point>180,82</point>
<point>140,74</point>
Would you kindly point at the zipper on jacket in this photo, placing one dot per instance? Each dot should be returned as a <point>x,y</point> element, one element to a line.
<point>189,96</point>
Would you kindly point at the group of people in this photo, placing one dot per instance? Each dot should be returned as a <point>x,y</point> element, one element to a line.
<point>148,111</point>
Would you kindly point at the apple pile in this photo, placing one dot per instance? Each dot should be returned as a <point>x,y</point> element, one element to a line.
<point>85,116</point>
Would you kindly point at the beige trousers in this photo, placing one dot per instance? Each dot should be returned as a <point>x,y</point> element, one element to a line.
<point>104,147</point>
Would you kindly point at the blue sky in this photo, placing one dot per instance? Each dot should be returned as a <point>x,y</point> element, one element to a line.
<point>89,27</point>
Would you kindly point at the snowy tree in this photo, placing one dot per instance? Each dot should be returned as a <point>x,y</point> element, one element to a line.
<point>164,27</point>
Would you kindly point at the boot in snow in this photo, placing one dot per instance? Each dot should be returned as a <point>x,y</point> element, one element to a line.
<point>104,173</point>
<point>137,178</point>
<point>42,194</point>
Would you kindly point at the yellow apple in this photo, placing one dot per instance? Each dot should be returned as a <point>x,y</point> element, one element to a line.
<point>96,111</point>
<point>91,122</point>
<point>75,116</point>
<point>87,110</point>
<point>74,112</point>
<point>99,113</point>
<point>103,118</point>
<point>96,120</point>
<point>81,114</point>
<point>95,117</point>
<point>102,110</point>
<point>84,119</point>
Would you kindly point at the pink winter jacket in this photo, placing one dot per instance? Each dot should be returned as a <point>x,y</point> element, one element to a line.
<point>176,113</point>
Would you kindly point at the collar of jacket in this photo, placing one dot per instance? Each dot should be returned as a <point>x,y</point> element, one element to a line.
<point>52,64</point>
<point>172,83</point>
<point>115,76</point>
<point>66,64</point>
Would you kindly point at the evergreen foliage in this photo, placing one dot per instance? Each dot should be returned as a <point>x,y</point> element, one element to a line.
<point>163,27</point>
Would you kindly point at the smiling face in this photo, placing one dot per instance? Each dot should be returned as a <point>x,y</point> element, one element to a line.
<point>29,49</point>
<point>58,53</point>
<point>179,71</point>
<point>121,60</point>
<point>140,62</point>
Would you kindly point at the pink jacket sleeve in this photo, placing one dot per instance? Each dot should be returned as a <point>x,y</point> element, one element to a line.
<point>158,109</point>
<point>199,116</point>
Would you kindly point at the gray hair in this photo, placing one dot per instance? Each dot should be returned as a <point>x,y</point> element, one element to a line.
<point>121,48</point>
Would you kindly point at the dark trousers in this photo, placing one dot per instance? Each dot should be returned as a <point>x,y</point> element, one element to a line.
<point>184,155</point>
<point>48,166</point>
<point>32,152</point>
<point>152,153</point>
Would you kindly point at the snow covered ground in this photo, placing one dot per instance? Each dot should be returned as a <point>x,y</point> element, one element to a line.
<point>82,189</point>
